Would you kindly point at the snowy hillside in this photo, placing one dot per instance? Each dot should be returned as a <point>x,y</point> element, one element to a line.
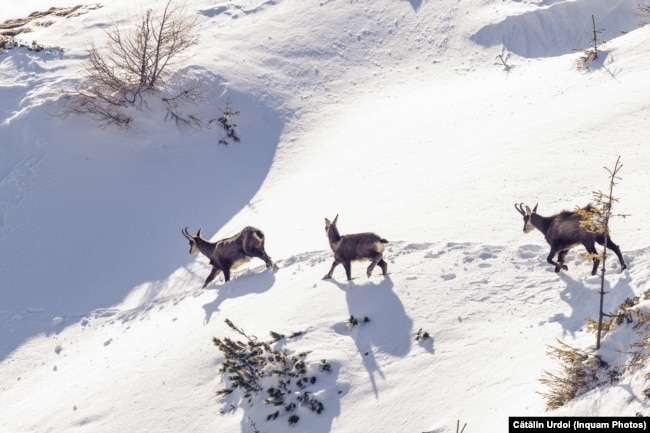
<point>397,115</point>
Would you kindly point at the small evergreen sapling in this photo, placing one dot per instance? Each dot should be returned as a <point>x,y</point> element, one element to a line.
<point>226,123</point>
<point>255,372</point>
<point>422,335</point>
<point>355,321</point>
<point>580,372</point>
<point>590,54</point>
<point>597,220</point>
<point>584,370</point>
<point>253,425</point>
<point>504,61</point>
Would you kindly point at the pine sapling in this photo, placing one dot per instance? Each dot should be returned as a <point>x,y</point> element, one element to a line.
<point>590,54</point>
<point>355,321</point>
<point>596,219</point>
<point>227,125</point>
<point>422,335</point>
<point>580,372</point>
<point>254,371</point>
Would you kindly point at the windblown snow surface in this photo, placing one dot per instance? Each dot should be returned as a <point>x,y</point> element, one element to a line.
<point>400,117</point>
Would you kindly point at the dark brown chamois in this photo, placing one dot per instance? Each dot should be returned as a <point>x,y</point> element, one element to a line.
<point>231,252</point>
<point>563,232</point>
<point>359,246</point>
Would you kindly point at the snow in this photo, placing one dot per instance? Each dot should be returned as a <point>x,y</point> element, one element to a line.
<point>396,115</point>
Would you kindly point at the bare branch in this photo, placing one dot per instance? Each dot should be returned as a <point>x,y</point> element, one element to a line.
<point>132,63</point>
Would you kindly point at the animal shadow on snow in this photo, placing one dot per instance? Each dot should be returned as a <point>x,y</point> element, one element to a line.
<point>389,329</point>
<point>415,4</point>
<point>251,281</point>
<point>583,298</point>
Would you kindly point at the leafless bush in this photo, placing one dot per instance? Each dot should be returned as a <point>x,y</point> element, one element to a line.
<point>644,11</point>
<point>133,63</point>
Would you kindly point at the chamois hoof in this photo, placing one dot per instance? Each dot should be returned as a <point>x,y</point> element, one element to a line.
<point>327,277</point>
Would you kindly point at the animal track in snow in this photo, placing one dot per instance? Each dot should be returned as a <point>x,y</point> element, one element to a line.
<point>529,251</point>
<point>15,179</point>
<point>417,246</point>
<point>234,11</point>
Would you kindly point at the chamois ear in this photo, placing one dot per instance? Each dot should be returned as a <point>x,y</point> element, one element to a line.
<point>535,208</point>
<point>335,218</point>
<point>198,234</point>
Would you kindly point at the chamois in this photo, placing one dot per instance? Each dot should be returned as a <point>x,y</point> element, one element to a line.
<point>358,246</point>
<point>563,232</point>
<point>231,252</point>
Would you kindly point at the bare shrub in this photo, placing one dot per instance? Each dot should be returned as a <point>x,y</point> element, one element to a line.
<point>132,63</point>
<point>191,94</point>
<point>644,11</point>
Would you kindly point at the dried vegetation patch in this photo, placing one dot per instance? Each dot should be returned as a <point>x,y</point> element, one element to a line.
<point>11,28</point>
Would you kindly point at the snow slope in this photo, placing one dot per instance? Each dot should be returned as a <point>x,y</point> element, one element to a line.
<point>397,115</point>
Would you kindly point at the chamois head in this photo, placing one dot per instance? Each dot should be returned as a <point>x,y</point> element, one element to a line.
<point>526,213</point>
<point>329,223</point>
<point>194,249</point>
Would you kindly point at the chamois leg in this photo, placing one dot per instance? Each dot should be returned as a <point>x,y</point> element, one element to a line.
<point>560,259</point>
<point>384,266</point>
<point>591,249</point>
<point>594,270</point>
<point>213,274</point>
<point>373,263</point>
<point>348,269</point>
<point>329,274</point>
<point>226,273</point>
<point>558,266</point>
<point>261,254</point>
<point>612,246</point>
<point>269,262</point>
